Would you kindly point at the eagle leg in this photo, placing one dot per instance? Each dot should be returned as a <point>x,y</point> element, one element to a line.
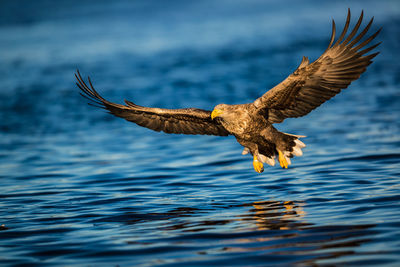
<point>258,166</point>
<point>282,160</point>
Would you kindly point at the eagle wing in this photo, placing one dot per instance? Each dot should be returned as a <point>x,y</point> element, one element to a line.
<point>178,121</point>
<point>313,84</point>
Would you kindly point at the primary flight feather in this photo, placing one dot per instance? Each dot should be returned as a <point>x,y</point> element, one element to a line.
<point>310,85</point>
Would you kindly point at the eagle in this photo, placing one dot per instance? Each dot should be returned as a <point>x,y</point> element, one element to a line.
<point>310,85</point>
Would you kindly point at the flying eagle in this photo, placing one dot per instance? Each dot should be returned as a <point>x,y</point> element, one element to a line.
<point>310,85</point>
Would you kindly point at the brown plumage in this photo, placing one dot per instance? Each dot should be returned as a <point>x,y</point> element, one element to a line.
<point>178,121</point>
<point>305,89</point>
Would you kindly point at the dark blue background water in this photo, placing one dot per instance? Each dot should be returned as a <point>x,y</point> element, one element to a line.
<point>80,187</point>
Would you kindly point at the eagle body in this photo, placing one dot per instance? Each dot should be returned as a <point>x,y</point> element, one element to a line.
<point>239,120</point>
<point>252,130</point>
<point>309,86</point>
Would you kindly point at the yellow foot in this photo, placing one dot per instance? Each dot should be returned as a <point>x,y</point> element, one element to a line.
<point>282,161</point>
<point>258,166</point>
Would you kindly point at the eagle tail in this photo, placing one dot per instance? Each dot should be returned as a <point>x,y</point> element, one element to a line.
<point>286,147</point>
<point>282,149</point>
<point>292,147</point>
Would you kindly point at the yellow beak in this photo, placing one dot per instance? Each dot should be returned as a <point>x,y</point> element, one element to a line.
<point>215,113</point>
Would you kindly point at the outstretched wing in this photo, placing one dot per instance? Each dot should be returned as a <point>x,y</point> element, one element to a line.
<point>313,84</point>
<point>179,121</point>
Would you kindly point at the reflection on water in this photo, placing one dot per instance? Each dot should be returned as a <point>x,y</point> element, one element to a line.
<point>270,215</point>
<point>82,188</point>
<point>292,235</point>
<point>277,231</point>
<point>265,215</point>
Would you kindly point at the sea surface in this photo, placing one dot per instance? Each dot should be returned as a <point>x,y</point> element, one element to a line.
<point>80,187</point>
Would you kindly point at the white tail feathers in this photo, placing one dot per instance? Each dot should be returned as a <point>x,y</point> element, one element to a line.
<point>299,143</point>
<point>297,151</point>
<point>297,148</point>
<point>271,161</point>
<point>264,159</point>
<point>287,155</point>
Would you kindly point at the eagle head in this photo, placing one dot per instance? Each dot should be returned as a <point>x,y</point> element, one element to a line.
<point>219,111</point>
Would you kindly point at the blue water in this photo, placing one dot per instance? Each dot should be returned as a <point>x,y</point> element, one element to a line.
<point>82,188</point>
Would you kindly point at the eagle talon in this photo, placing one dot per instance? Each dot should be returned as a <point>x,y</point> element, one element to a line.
<point>258,166</point>
<point>282,161</point>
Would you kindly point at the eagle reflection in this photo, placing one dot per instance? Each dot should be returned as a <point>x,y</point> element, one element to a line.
<point>275,215</point>
<point>267,231</point>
